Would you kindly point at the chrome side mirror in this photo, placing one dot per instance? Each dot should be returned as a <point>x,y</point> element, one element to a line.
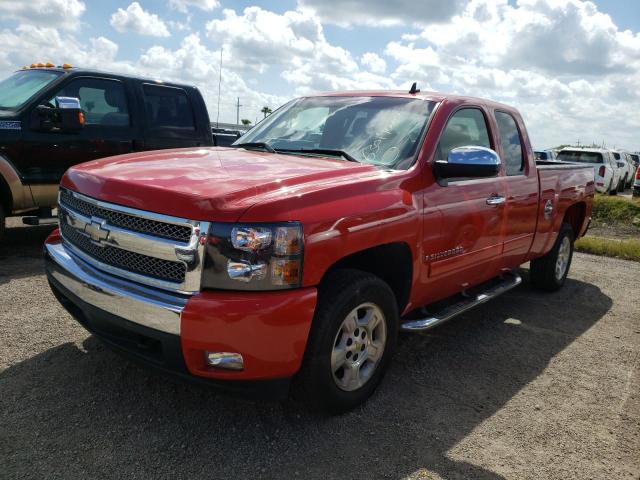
<point>469,162</point>
<point>68,102</point>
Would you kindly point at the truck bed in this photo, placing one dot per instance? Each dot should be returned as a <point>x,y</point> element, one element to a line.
<point>563,186</point>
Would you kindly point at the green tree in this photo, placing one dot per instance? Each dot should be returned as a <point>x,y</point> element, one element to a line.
<point>266,111</point>
<point>245,121</point>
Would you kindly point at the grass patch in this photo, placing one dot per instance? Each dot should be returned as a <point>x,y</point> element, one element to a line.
<point>625,249</point>
<point>609,210</point>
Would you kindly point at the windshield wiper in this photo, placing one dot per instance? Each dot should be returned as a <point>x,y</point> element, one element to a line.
<point>263,145</point>
<point>321,151</point>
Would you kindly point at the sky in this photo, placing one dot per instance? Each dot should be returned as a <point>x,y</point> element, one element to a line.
<point>572,67</point>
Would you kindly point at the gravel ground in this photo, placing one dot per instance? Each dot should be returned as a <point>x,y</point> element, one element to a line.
<point>528,386</point>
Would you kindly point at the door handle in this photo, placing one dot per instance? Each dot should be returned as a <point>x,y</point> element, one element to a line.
<point>495,200</point>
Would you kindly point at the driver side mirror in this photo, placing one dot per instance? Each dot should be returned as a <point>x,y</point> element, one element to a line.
<point>468,162</point>
<point>66,117</point>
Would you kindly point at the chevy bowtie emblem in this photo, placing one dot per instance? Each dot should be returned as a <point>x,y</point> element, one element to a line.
<point>96,231</point>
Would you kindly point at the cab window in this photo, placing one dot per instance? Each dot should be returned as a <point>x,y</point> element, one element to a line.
<point>103,102</point>
<point>511,143</point>
<point>467,127</point>
<point>168,107</point>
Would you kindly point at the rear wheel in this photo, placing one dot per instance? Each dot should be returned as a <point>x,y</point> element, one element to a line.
<point>612,191</point>
<point>352,340</point>
<point>550,272</point>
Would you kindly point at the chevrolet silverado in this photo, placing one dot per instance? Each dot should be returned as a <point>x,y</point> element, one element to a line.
<point>296,256</point>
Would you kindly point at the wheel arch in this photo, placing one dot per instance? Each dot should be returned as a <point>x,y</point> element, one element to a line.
<point>391,262</point>
<point>575,216</point>
<point>6,199</point>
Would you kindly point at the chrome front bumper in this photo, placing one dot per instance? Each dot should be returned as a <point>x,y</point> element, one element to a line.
<point>145,306</point>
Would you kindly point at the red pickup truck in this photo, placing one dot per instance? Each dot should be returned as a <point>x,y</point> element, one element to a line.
<point>294,257</point>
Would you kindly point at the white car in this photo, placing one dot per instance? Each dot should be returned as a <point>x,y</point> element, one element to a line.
<point>607,172</point>
<point>627,171</point>
<point>546,155</point>
<point>631,161</point>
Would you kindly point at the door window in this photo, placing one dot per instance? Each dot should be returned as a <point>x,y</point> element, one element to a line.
<point>168,107</point>
<point>511,144</point>
<point>103,102</point>
<point>467,127</point>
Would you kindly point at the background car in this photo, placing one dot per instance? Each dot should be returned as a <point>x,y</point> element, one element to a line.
<point>632,169</point>
<point>607,172</point>
<point>548,155</point>
<point>626,172</point>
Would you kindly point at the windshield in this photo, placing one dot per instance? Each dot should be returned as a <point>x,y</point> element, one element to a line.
<point>580,157</point>
<point>383,131</point>
<point>21,86</point>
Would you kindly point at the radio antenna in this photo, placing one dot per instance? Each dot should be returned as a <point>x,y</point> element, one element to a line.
<point>219,87</point>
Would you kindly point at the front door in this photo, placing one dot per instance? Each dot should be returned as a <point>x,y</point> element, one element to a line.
<point>468,249</point>
<point>107,131</point>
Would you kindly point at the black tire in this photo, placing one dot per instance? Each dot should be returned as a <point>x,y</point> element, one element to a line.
<point>340,293</point>
<point>543,270</point>
<point>613,191</point>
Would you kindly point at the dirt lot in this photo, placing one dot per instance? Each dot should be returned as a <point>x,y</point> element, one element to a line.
<point>529,386</point>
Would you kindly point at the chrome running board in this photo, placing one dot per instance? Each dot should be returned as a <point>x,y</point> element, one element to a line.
<point>507,281</point>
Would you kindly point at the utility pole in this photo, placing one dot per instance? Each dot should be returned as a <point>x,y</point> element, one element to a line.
<point>238,111</point>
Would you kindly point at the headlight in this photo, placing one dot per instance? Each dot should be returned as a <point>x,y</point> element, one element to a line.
<point>254,256</point>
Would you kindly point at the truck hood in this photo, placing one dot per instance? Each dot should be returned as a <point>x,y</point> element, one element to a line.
<point>207,183</point>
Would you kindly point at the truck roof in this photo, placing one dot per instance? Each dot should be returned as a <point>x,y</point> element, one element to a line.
<point>89,71</point>
<point>432,96</point>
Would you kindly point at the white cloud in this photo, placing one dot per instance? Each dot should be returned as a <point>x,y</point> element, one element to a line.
<point>374,62</point>
<point>64,14</point>
<point>556,37</point>
<point>383,12</point>
<point>142,22</point>
<point>45,44</point>
<point>292,45</point>
<point>183,5</point>
<point>564,64</point>
<point>259,38</point>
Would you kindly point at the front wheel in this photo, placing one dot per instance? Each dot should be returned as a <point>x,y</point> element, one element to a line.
<point>351,342</point>
<point>550,271</point>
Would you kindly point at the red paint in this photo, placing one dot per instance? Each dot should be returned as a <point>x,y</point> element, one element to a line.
<point>344,208</point>
<point>54,237</point>
<point>269,329</point>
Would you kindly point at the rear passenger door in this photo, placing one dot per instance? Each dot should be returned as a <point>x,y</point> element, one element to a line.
<point>170,120</point>
<point>107,130</point>
<point>521,187</point>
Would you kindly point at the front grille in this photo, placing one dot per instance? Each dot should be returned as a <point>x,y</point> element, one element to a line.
<point>124,259</point>
<point>155,228</point>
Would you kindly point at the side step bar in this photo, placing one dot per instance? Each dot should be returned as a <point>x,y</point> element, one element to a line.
<point>508,281</point>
